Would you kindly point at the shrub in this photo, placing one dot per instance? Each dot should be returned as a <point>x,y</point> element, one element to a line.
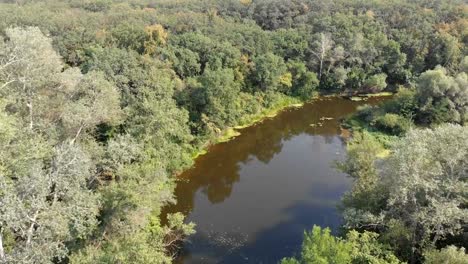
<point>448,255</point>
<point>393,124</point>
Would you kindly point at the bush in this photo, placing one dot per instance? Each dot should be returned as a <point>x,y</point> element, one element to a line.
<point>365,113</point>
<point>320,246</point>
<point>97,5</point>
<point>448,255</point>
<point>404,103</point>
<point>376,83</point>
<point>393,124</point>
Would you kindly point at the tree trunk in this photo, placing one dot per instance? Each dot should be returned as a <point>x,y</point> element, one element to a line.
<point>321,67</point>
<point>77,135</point>
<point>2,252</point>
<point>30,109</point>
<point>31,228</point>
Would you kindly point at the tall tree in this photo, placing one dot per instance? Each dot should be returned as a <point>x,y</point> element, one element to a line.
<point>45,204</point>
<point>45,197</point>
<point>322,46</point>
<point>28,63</point>
<point>427,179</point>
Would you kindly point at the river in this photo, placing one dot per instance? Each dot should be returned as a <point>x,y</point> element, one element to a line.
<point>253,197</point>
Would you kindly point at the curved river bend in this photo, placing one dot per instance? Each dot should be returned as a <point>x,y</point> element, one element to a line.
<point>253,197</point>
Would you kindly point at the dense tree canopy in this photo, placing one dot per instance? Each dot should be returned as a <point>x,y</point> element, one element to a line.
<point>418,197</point>
<point>103,101</point>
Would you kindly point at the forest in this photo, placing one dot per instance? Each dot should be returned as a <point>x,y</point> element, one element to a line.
<point>104,102</point>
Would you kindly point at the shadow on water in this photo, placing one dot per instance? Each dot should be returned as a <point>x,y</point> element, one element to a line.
<point>253,197</point>
<point>285,238</point>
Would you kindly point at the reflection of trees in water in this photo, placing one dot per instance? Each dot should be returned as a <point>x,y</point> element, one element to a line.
<point>216,172</point>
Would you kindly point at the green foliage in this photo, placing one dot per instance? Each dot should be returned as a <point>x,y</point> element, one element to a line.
<point>146,246</point>
<point>220,92</point>
<point>367,196</point>
<point>376,83</point>
<point>320,246</point>
<point>450,254</point>
<point>404,103</point>
<point>430,190</point>
<point>290,44</point>
<point>420,190</point>
<point>128,35</point>
<point>304,82</point>
<point>441,97</point>
<point>53,173</point>
<point>134,88</point>
<point>393,124</point>
<point>267,73</point>
<point>96,5</point>
<point>186,63</point>
<point>42,208</point>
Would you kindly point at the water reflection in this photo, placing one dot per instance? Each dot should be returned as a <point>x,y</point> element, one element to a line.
<point>252,197</point>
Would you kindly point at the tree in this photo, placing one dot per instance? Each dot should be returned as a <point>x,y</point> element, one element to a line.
<point>376,83</point>
<point>320,247</point>
<point>185,62</point>
<point>272,15</point>
<point>96,5</point>
<point>441,97</point>
<point>304,82</point>
<point>464,65</point>
<point>129,35</point>
<point>322,47</point>
<point>28,64</point>
<point>221,94</point>
<point>362,205</point>
<point>93,101</point>
<point>45,205</point>
<point>290,44</point>
<point>159,244</point>
<point>445,51</point>
<point>32,74</point>
<point>46,201</point>
<point>156,36</point>
<point>393,124</point>
<point>448,255</point>
<point>394,65</point>
<point>426,177</point>
<point>416,198</point>
<point>268,70</point>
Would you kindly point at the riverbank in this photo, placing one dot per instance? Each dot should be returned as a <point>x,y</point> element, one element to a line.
<point>285,103</point>
<point>363,97</point>
<point>250,120</point>
<point>283,153</point>
<point>353,124</point>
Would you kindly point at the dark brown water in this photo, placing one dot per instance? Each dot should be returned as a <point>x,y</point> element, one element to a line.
<point>253,197</point>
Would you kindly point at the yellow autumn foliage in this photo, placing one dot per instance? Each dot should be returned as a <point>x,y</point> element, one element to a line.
<point>156,36</point>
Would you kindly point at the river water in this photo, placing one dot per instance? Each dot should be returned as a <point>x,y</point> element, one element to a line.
<point>253,197</point>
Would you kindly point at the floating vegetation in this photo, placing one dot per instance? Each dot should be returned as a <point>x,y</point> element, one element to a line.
<point>229,240</point>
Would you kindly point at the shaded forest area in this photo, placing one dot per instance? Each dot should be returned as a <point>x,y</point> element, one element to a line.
<point>102,102</point>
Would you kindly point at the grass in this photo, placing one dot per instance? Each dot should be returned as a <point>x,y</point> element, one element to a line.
<point>227,135</point>
<point>198,153</point>
<point>357,98</point>
<point>363,97</point>
<point>286,102</point>
<point>378,94</point>
<point>354,123</point>
<point>384,154</point>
